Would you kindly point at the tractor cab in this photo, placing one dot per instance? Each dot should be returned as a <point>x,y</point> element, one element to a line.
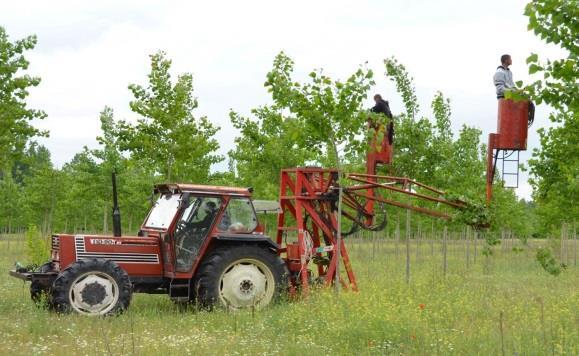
<point>190,219</point>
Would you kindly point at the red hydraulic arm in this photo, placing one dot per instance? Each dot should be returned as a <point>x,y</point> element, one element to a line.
<point>308,221</point>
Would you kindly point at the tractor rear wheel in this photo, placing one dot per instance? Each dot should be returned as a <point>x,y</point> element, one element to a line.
<point>92,287</point>
<point>239,277</point>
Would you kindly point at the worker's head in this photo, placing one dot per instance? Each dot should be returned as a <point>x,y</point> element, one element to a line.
<point>210,207</point>
<point>377,97</point>
<point>506,60</point>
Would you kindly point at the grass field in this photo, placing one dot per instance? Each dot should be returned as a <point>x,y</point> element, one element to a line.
<point>505,304</point>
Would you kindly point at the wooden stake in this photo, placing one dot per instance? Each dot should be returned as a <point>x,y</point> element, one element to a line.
<point>467,243</point>
<point>397,234</point>
<point>575,244</point>
<point>475,245</point>
<point>408,246</point>
<point>444,249</point>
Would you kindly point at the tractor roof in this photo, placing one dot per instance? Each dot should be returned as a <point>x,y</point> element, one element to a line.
<point>204,189</point>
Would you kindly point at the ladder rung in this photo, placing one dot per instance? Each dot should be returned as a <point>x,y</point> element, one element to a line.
<point>179,285</point>
<point>287,228</point>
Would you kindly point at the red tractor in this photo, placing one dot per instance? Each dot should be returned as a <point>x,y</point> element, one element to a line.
<point>198,243</point>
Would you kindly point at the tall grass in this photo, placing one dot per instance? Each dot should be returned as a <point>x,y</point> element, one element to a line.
<point>502,303</point>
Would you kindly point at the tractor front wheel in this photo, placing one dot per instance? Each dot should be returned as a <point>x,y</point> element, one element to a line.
<point>92,287</point>
<point>239,277</point>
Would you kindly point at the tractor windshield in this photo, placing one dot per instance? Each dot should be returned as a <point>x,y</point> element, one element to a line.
<point>163,211</point>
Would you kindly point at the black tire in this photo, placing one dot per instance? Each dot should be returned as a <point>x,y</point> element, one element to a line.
<point>92,287</point>
<point>215,280</point>
<point>39,292</point>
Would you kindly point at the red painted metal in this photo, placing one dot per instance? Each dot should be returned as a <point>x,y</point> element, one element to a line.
<point>512,127</point>
<point>512,124</point>
<point>138,256</point>
<point>380,152</point>
<point>205,189</point>
<point>396,185</point>
<point>308,200</point>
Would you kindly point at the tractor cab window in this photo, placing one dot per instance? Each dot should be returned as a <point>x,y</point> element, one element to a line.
<point>163,211</point>
<point>192,228</point>
<point>239,216</point>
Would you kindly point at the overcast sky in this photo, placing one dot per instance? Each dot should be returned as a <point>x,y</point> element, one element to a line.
<point>89,51</point>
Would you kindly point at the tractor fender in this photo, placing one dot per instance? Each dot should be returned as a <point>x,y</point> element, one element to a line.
<point>247,238</point>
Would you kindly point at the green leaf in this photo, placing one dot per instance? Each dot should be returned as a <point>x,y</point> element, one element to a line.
<point>532,58</point>
<point>533,68</point>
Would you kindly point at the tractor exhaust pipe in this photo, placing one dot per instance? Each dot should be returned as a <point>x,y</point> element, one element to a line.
<point>116,211</point>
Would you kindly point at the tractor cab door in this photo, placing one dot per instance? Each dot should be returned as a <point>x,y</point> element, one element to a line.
<point>192,229</point>
<point>161,218</point>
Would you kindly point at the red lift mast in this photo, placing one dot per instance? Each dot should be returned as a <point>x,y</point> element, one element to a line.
<point>513,121</point>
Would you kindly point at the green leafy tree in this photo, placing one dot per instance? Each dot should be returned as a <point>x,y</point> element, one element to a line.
<point>82,207</point>
<point>11,200</point>
<point>15,116</point>
<point>328,112</point>
<point>167,138</point>
<point>267,144</point>
<point>109,153</point>
<point>41,189</point>
<point>557,22</point>
<point>555,165</point>
<point>397,73</point>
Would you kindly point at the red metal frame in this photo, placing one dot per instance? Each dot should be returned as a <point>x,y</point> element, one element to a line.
<point>379,153</point>
<point>353,196</point>
<point>512,127</point>
<point>308,201</point>
<point>309,207</point>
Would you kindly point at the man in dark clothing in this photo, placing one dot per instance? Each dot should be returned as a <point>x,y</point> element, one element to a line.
<point>381,106</point>
<point>210,211</point>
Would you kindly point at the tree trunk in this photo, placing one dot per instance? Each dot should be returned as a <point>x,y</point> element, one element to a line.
<point>105,215</point>
<point>333,151</point>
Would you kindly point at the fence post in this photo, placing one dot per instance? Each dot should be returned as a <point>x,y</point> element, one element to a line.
<point>444,249</point>
<point>417,239</point>
<point>467,243</point>
<point>374,245</point>
<point>432,240</point>
<point>575,244</point>
<point>562,253</point>
<point>397,234</point>
<point>502,239</point>
<point>475,245</point>
<point>408,246</point>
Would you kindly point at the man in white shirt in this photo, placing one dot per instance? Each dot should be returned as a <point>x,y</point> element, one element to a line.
<point>503,77</point>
